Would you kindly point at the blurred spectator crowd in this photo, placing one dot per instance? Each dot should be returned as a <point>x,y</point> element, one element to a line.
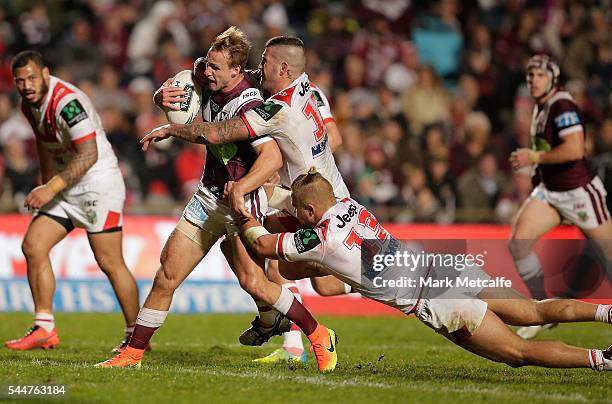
<point>429,96</point>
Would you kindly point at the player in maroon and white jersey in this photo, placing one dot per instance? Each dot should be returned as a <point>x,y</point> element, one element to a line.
<point>235,168</point>
<point>83,188</point>
<point>334,234</point>
<point>290,115</point>
<point>568,190</point>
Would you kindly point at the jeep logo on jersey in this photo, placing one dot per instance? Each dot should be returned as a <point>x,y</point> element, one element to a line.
<point>73,113</point>
<point>347,217</point>
<point>267,110</point>
<point>305,86</point>
<point>189,92</point>
<point>305,240</point>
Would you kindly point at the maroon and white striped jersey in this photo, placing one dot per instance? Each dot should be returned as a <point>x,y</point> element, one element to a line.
<point>557,118</point>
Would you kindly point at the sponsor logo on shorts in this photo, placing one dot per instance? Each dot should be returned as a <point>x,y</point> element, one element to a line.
<point>583,216</point>
<point>305,240</point>
<point>92,216</point>
<point>196,209</point>
<point>73,113</point>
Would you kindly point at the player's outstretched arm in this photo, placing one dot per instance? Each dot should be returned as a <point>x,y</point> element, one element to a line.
<point>229,131</point>
<point>259,240</point>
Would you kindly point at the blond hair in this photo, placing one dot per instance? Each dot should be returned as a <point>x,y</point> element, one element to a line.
<point>235,42</point>
<point>312,187</point>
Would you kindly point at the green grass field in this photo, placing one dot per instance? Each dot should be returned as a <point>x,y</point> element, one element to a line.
<point>197,358</point>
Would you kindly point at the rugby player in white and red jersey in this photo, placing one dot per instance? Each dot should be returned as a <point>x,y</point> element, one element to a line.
<point>568,189</point>
<point>243,167</point>
<point>290,116</point>
<point>335,231</point>
<point>292,349</point>
<point>83,188</point>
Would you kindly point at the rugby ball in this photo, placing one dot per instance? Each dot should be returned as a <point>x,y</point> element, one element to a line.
<point>189,108</point>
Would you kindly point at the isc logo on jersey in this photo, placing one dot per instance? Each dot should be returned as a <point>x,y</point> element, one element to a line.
<point>193,99</point>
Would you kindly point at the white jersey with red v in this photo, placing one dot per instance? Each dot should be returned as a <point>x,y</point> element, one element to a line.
<point>293,119</point>
<point>65,118</point>
<point>345,241</point>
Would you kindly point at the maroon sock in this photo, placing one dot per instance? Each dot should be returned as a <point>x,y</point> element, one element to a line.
<point>302,317</point>
<point>141,336</point>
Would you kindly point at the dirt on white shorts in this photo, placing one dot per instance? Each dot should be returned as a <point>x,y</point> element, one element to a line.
<point>455,308</point>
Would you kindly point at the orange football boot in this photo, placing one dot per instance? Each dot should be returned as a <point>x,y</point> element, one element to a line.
<point>124,344</point>
<point>130,357</point>
<point>37,337</point>
<point>323,342</point>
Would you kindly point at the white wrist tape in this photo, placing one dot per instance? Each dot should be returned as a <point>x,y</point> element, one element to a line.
<point>253,233</point>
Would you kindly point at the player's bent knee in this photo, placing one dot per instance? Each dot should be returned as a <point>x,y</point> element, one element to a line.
<point>32,251</point>
<point>108,263</point>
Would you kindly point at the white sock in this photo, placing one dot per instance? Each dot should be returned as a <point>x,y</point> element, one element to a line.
<point>292,340</point>
<point>596,359</point>
<point>46,321</point>
<point>151,318</point>
<point>348,289</point>
<point>529,267</point>
<point>284,302</point>
<point>128,330</point>
<point>604,313</point>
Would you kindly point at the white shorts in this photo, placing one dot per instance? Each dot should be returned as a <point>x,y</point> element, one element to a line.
<point>214,216</point>
<point>584,206</point>
<point>446,316</point>
<point>96,206</point>
<point>456,308</point>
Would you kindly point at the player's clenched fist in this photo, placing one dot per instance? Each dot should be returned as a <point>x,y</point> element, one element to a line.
<point>235,198</point>
<point>523,157</point>
<point>38,197</point>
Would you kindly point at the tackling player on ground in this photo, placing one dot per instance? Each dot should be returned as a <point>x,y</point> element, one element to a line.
<point>474,318</point>
<point>83,188</point>
<point>567,189</point>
